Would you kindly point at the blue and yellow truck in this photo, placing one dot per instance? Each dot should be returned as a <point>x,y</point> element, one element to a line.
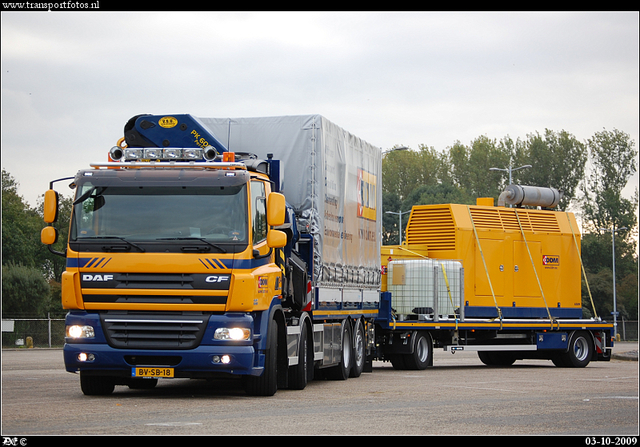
<point>208,247</point>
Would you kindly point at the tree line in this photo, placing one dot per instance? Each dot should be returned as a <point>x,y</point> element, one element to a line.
<point>30,272</point>
<point>459,174</point>
<point>591,176</point>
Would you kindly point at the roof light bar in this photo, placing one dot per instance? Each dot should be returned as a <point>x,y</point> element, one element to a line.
<point>133,154</point>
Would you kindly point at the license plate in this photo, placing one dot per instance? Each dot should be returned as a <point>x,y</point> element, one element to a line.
<point>151,372</point>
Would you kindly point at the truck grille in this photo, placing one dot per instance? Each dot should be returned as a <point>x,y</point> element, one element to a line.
<point>168,330</point>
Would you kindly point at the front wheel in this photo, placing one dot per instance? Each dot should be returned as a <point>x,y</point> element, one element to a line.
<point>422,352</point>
<point>267,383</point>
<point>96,385</point>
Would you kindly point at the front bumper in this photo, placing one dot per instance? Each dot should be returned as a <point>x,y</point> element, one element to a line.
<point>96,356</point>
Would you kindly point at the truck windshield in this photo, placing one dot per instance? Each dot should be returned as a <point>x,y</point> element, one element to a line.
<point>214,215</point>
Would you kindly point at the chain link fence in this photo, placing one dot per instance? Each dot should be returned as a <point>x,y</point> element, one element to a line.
<point>33,332</point>
<point>49,332</point>
<point>628,330</point>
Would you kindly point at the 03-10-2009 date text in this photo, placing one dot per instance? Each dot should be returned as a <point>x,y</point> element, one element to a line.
<point>611,440</point>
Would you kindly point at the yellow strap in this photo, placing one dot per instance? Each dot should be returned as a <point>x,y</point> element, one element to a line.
<point>534,270</point>
<point>475,232</point>
<point>446,281</point>
<point>575,241</point>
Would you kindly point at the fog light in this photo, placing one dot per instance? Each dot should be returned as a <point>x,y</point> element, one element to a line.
<point>224,359</point>
<point>86,357</point>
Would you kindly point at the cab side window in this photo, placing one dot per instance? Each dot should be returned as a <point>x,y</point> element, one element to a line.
<point>258,211</point>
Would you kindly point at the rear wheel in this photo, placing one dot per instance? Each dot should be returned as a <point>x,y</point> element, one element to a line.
<point>343,369</point>
<point>358,350</point>
<point>299,374</point>
<point>579,353</point>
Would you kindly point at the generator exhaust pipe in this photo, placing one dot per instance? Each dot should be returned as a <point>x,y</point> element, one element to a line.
<point>530,196</point>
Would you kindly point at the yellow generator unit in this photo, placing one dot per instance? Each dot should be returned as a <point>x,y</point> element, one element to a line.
<point>518,263</point>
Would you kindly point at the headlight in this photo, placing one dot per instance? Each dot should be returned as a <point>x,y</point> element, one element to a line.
<point>153,154</point>
<point>234,333</point>
<point>172,154</point>
<point>192,154</point>
<point>133,154</point>
<point>77,331</point>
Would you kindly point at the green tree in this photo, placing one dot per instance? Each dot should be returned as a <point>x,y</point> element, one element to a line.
<point>30,272</point>
<point>390,202</point>
<point>53,265</point>
<point>20,226</point>
<point>557,160</point>
<point>25,292</point>
<point>613,162</point>
<point>613,159</point>
<point>470,166</point>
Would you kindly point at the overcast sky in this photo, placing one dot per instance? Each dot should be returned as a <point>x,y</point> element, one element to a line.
<point>70,81</point>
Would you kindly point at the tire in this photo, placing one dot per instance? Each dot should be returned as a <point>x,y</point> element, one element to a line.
<point>422,353</point>
<point>494,358</point>
<point>397,361</point>
<point>343,369</point>
<point>579,353</point>
<point>96,385</point>
<point>299,375</point>
<point>142,384</point>
<point>267,383</point>
<point>359,355</point>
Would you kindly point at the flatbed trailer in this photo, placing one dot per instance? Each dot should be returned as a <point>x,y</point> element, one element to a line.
<point>504,282</point>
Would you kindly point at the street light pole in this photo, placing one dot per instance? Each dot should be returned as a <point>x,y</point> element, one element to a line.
<point>400,148</point>
<point>613,249</point>
<point>509,170</point>
<point>399,223</point>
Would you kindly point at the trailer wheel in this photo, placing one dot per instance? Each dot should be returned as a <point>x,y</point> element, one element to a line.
<point>267,383</point>
<point>397,361</point>
<point>579,353</point>
<point>96,385</point>
<point>422,352</point>
<point>343,369</point>
<point>495,358</point>
<point>358,350</point>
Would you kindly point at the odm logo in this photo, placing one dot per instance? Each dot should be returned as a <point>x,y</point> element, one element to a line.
<point>550,260</point>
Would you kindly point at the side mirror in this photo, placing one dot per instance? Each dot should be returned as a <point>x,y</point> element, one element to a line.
<point>49,236</point>
<point>276,239</point>
<point>50,206</point>
<point>276,206</point>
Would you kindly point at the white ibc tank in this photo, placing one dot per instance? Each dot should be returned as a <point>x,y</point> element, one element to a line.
<point>419,285</point>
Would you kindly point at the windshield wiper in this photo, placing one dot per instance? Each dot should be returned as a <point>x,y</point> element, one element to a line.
<point>114,237</point>
<point>201,239</point>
